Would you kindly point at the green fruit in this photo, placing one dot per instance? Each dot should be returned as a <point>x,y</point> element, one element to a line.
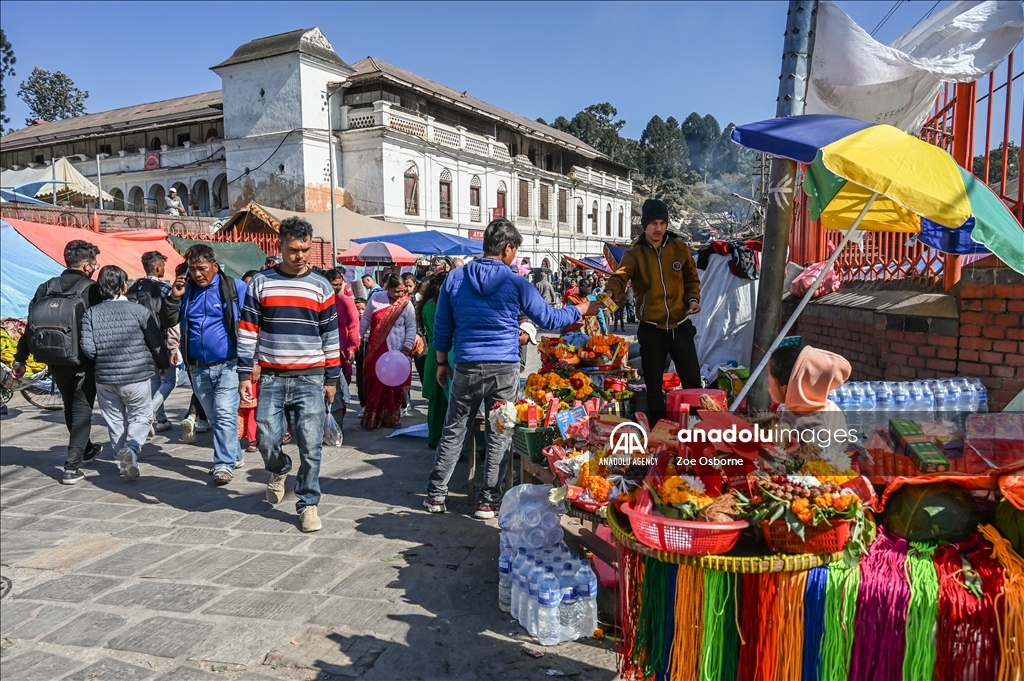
<point>931,512</point>
<point>1009,520</point>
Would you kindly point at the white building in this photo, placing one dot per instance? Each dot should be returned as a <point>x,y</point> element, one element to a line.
<point>407,150</point>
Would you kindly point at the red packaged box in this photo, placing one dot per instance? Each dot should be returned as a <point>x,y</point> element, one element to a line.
<point>993,441</point>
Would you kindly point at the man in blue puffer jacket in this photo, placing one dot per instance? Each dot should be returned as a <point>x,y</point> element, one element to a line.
<point>478,312</point>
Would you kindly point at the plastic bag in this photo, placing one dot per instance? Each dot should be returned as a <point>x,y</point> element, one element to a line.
<point>333,437</point>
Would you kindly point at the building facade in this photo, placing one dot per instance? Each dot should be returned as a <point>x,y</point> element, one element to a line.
<point>406,149</point>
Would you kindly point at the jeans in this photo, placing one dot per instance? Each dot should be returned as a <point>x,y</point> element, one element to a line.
<point>161,387</point>
<point>656,345</point>
<point>77,386</point>
<point>217,390</point>
<point>126,409</point>
<point>474,382</point>
<point>299,399</point>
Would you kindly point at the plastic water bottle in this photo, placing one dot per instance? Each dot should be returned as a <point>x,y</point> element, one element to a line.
<point>968,399</point>
<point>981,394</point>
<point>928,399</point>
<point>549,598</point>
<point>505,581</point>
<point>524,590</point>
<point>586,585</point>
<point>517,568</point>
<point>854,402</point>
<point>531,611</point>
<point>868,408</point>
<point>570,612</point>
<point>953,403</point>
<point>901,398</point>
<point>916,402</point>
<point>942,400</point>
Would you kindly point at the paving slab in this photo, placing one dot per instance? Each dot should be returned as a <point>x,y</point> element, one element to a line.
<point>268,542</point>
<point>325,650</point>
<point>109,669</point>
<point>71,589</point>
<point>162,636</point>
<point>71,555</point>
<point>27,620</point>
<point>36,665</point>
<point>266,605</point>
<point>260,571</point>
<point>88,630</point>
<point>131,560</point>
<point>201,564</point>
<point>142,532</point>
<point>190,536</point>
<point>164,596</point>
<point>188,674</point>
<point>96,511</point>
<point>242,642</point>
<point>317,575</point>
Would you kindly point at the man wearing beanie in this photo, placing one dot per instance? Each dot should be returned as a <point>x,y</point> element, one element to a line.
<point>667,290</point>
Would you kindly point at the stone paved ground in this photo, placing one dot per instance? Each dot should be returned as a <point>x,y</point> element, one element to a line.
<point>173,579</point>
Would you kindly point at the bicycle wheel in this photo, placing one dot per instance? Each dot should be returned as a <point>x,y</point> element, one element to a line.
<point>44,395</point>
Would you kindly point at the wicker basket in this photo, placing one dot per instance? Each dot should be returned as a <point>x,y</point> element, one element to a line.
<point>530,442</point>
<point>690,537</point>
<point>824,538</point>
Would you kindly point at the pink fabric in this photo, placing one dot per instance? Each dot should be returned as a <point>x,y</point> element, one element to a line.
<point>815,373</point>
<point>348,322</point>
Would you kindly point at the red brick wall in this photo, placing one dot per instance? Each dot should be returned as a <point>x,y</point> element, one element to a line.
<point>987,341</point>
<point>992,331</point>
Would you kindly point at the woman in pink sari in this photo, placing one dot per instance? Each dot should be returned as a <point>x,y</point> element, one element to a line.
<point>390,319</point>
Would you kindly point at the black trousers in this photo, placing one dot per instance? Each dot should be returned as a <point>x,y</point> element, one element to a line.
<point>194,407</point>
<point>77,385</point>
<point>656,346</point>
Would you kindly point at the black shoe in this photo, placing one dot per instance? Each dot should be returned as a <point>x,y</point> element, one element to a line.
<point>91,453</point>
<point>72,477</point>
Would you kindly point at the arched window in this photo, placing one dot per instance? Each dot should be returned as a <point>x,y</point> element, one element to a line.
<point>474,199</point>
<point>155,144</point>
<point>220,192</point>
<point>579,217</point>
<point>445,195</point>
<point>608,220</point>
<point>412,189</point>
<point>622,228</point>
<point>502,200</point>
<point>593,218</point>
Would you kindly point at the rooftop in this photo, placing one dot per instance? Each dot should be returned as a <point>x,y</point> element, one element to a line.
<point>308,41</point>
<point>372,68</point>
<point>207,106</point>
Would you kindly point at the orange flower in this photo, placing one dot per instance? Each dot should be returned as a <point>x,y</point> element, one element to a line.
<point>842,502</point>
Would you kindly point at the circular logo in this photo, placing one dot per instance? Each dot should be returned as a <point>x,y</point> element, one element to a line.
<point>677,265</point>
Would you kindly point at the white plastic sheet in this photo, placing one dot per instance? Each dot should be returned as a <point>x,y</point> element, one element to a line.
<point>852,74</point>
<point>725,324</point>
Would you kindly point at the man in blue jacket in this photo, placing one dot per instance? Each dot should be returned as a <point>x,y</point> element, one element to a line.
<point>208,306</point>
<point>478,313</point>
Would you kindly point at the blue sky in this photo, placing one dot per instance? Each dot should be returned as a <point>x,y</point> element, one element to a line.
<point>537,59</point>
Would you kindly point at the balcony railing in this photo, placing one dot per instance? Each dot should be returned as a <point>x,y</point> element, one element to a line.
<point>601,179</point>
<point>135,162</point>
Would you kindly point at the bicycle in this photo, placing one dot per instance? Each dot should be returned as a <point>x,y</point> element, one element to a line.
<point>39,389</point>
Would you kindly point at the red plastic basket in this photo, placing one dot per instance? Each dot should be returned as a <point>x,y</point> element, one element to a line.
<point>690,537</point>
<point>824,538</point>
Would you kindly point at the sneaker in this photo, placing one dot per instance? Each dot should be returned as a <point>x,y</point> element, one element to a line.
<point>434,506</point>
<point>221,477</point>
<point>238,464</point>
<point>485,511</point>
<point>309,521</point>
<point>128,464</point>
<point>275,488</point>
<point>203,427</point>
<point>72,477</point>
<point>91,453</point>
<point>161,426</point>
<point>188,431</point>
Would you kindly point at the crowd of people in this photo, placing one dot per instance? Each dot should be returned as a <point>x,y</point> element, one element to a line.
<point>265,354</point>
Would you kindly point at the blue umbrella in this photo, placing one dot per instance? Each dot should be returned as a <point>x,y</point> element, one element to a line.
<point>429,243</point>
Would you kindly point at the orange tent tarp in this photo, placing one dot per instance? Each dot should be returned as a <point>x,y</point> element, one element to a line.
<point>123,249</point>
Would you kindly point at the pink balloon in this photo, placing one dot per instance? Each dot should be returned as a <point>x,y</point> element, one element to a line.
<point>393,368</point>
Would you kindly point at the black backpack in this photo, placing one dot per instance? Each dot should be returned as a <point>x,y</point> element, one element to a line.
<point>55,323</point>
<point>146,293</point>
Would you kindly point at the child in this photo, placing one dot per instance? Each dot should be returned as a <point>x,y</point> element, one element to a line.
<point>800,381</point>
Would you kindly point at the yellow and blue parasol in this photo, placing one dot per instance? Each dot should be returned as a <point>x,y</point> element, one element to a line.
<point>917,187</point>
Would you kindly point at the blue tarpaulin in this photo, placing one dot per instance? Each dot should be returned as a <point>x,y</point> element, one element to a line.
<point>23,268</point>
<point>429,243</point>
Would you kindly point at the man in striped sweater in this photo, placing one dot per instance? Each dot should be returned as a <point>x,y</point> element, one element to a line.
<point>288,341</point>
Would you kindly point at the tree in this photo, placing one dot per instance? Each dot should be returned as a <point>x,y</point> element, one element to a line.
<point>995,164</point>
<point>663,154</point>
<point>51,96</point>
<point>596,125</point>
<point>7,62</point>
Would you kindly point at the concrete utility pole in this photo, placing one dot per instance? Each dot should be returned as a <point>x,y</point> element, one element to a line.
<point>796,65</point>
<point>332,89</point>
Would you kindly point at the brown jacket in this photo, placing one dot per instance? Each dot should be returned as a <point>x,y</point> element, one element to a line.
<point>664,280</point>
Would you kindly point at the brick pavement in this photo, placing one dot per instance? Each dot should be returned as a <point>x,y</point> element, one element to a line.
<point>173,579</point>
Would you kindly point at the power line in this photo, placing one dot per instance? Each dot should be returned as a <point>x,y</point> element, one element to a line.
<point>888,15</point>
<point>926,14</point>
